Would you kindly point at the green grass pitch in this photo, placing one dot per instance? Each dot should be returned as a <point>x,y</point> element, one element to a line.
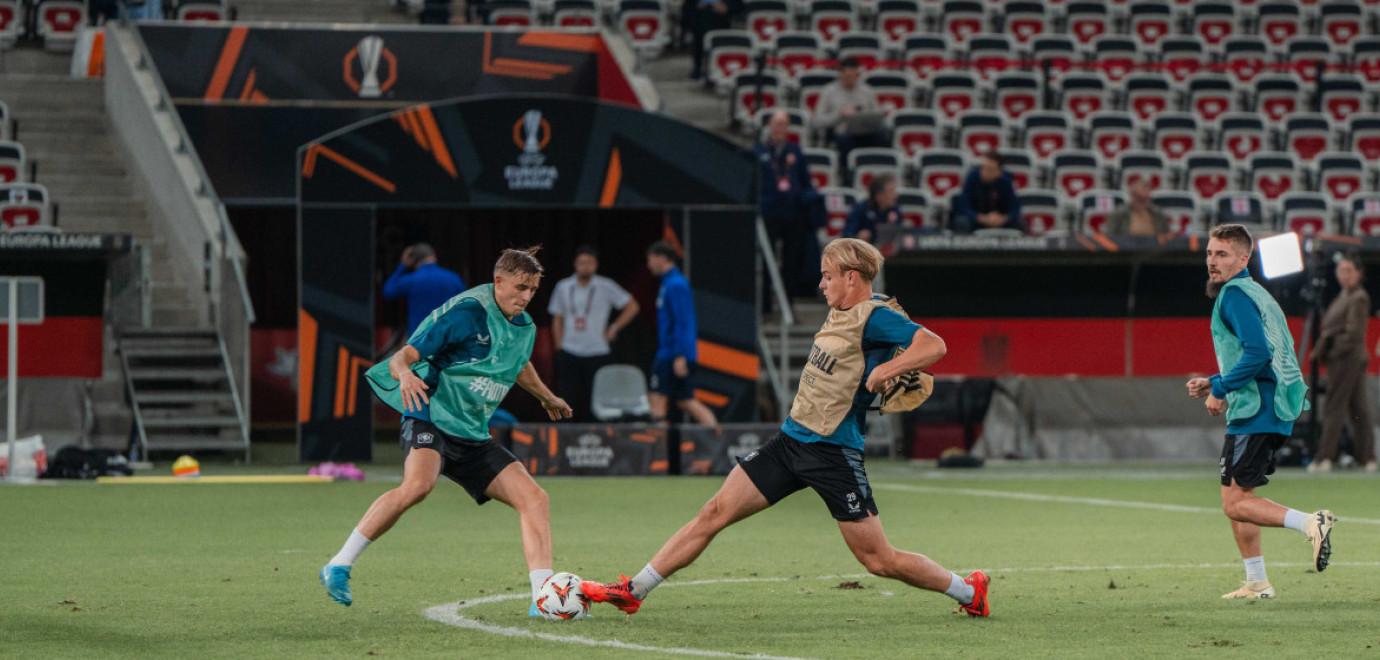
<point>217,571</point>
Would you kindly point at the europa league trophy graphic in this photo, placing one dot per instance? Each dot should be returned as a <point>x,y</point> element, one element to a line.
<point>370,50</point>
<point>531,149</point>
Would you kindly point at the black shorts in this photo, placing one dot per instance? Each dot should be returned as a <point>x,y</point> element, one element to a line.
<point>665,382</point>
<point>471,463</point>
<point>785,465</point>
<point>1249,458</point>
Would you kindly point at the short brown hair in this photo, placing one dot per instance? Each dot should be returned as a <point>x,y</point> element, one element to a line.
<point>664,249</point>
<point>519,261</point>
<point>855,255</point>
<point>1233,233</point>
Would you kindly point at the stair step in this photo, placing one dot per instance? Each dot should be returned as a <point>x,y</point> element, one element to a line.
<point>168,332</point>
<point>176,373</point>
<point>170,352</point>
<point>182,396</point>
<point>185,422</point>
<point>185,443</point>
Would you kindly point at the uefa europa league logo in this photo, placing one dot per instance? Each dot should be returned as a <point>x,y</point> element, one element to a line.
<point>531,126</point>
<point>370,51</point>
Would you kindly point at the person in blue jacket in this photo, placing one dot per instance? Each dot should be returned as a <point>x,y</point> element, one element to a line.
<point>785,197</point>
<point>673,371</point>
<point>423,282</point>
<point>988,200</point>
<point>878,209</point>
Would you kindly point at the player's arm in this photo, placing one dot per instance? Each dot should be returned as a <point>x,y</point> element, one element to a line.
<point>926,348</point>
<point>412,388</point>
<point>556,407</point>
<point>625,316</point>
<point>1244,318</point>
<point>557,329</point>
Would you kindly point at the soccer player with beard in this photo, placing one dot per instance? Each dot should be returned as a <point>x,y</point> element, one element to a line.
<point>1261,391</point>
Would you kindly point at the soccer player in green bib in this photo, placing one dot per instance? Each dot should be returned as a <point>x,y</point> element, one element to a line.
<point>447,381</point>
<point>1261,391</point>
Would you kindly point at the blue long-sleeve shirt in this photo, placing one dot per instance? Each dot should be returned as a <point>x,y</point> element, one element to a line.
<point>979,197</point>
<point>675,318</point>
<point>1242,317</point>
<point>426,288</point>
<point>865,216</point>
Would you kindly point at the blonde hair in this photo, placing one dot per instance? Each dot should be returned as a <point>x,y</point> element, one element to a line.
<point>855,255</point>
<point>519,262</point>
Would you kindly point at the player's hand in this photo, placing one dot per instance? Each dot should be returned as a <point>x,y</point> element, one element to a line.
<point>1199,387</point>
<point>413,392</point>
<point>1215,406</point>
<point>681,367</point>
<point>875,382</point>
<point>557,409</point>
<point>407,256</point>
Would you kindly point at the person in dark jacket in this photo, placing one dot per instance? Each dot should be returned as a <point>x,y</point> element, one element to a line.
<point>701,17</point>
<point>785,195</point>
<point>879,208</point>
<point>988,200</point>
<point>423,282</point>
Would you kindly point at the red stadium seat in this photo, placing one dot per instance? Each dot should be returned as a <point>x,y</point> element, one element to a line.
<point>1307,214</point>
<point>897,20</point>
<point>953,94</point>
<point>1025,21</point>
<point>823,164</point>
<point>838,203</point>
<point>1151,22</point>
<point>1276,97</point>
<point>1342,97</point>
<point>643,23</point>
<point>831,18</point>
<point>926,55</point>
<point>1111,133</point>
<point>1118,56</point>
<point>811,83</point>
<point>1246,57</point>
<point>1365,215</point>
<point>729,53</point>
<point>1147,166</point>
<point>58,22</point>
<point>1082,95</point>
<point>1176,134</point>
<point>1182,57</point>
<point>200,10</point>
<point>1307,135</point>
<point>1147,95</point>
<point>11,22</point>
<point>1279,22</point>
<point>1042,211</point>
<point>1365,136</point>
<point>1242,135</point>
<point>1017,94</point>
<point>962,19</point>
<point>1076,172</point>
<point>1340,176</point>
<point>981,131</point>
<point>1207,174</point>
<point>1365,55</point>
<point>1341,23</point>
<point>11,162</point>
<point>746,99</point>
<point>1095,208</point>
<point>892,88</point>
<point>1180,207</point>
<point>989,55</point>
<point>1213,22</point>
<point>1211,95</point>
<point>1021,165</point>
<point>1273,175</point>
<point>1087,21</point>
<point>24,206</point>
<point>941,173</point>
<point>766,19</point>
<point>868,163</point>
<point>797,52</point>
<point>1046,133</point>
<point>864,47</point>
<point>915,131</point>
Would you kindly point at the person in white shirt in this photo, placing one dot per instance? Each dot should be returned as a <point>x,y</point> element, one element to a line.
<point>580,308</point>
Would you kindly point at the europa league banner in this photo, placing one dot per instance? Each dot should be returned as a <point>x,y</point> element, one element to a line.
<point>706,450</point>
<point>590,449</point>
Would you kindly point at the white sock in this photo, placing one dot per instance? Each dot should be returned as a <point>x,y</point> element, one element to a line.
<point>645,582</point>
<point>1255,569</point>
<point>538,578</point>
<point>1296,520</point>
<point>353,548</point>
<point>959,590</point>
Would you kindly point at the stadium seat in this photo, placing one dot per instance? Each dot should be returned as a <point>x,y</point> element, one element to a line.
<point>1246,57</point>
<point>1086,21</point>
<point>58,22</point>
<point>926,55</point>
<point>1143,165</point>
<point>201,10</point>
<point>24,206</point>
<point>1117,56</point>
<point>6,125</point>
<point>809,84</point>
<point>1276,97</point>
<point>1045,134</point>
<point>1016,94</point>
<point>1151,22</point>
<point>1095,208</point>
<point>1307,214</point>
<point>1076,172</point>
<point>1042,211</point>
<point>941,173</point>
<point>1278,22</point>
<point>831,18</point>
<point>1308,134</point>
<point>962,19</point>
<point>799,124</point>
<point>892,88</point>
<point>1083,94</point>
<point>1273,174</point>
<point>1342,96</point>
<point>838,203</point>
<point>797,52</point>
<point>746,102</point>
<point>865,47</point>
<point>1340,176</point>
<point>823,164</point>
<point>1304,54</point>
<point>1341,23</point>
<point>1147,95</point>
<point>1180,207</point>
<point>1214,23</point>
<point>1363,131</point>
<point>1365,215</point>
<point>989,55</point>
<point>1176,134</point>
<point>914,205</point>
<point>1210,95</point>
<point>12,20</point>
<point>1057,51</point>
<point>1181,57</point>
<point>1207,174</point>
<point>915,131</point>
<point>953,94</point>
<point>729,53</point>
<point>643,23</point>
<point>897,20</point>
<point>1020,163</point>
<point>867,163</point>
<point>981,131</point>
<point>1245,208</point>
<point>619,392</point>
<point>1110,133</point>
<point>1025,21</point>
<point>766,19</point>
<point>1365,55</point>
<point>11,162</point>
<point>1242,134</point>
<point>510,13</point>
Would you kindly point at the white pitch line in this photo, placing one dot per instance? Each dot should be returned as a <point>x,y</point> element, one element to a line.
<point>1065,499</point>
<point>449,613</point>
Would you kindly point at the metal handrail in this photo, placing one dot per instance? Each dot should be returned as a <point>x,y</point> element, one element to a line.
<point>787,317</point>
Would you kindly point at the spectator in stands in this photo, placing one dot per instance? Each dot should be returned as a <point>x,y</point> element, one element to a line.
<point>673,371</point>
<point>148,10</point>
<point>424,283</point>
<point>1139,217</point>
<point>1343,350</point>
<point>879,208</point>
<point>580,308</point>
<point>702,17</point>
<point>786,197</point>
<point>849,108</point>
<point>988,200</point>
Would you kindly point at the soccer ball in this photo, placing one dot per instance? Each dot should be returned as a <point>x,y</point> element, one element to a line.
<point>560,598</point>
